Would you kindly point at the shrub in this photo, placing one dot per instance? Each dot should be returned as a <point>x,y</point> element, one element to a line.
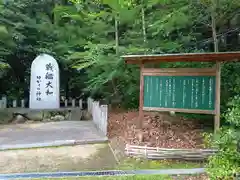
<point>226,162</point>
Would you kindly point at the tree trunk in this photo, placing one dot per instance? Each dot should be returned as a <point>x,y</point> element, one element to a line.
<point>214,30</point>
<point>116,36</point>
<point>143,26</point>
<point>218,66</point>
<point>115,91</point>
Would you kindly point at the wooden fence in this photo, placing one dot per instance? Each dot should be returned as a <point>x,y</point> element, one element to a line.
<point>99,114</point>
<point>4,103</point>
<point>155,153</point>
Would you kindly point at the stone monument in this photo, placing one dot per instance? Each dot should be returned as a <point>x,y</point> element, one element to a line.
<point>44,83</point>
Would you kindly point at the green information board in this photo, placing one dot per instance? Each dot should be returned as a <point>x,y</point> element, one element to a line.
<point>179,92</point>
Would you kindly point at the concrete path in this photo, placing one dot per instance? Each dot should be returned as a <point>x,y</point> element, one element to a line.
<point>88,157</point>
<point>49,134</point>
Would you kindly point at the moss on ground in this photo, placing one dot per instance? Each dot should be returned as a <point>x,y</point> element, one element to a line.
<point>132,163</point>
<point>142,177</point>
<point>139,177</point>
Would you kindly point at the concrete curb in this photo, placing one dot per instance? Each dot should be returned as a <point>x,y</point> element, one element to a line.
<point>172,171</point>
<point>102,173</point>
<point>53,144</point>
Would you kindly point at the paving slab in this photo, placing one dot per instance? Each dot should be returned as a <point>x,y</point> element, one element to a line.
<point>19,136</point>
<point>86,157</point>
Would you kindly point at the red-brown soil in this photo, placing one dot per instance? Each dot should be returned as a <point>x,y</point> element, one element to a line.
<point>158,130</point>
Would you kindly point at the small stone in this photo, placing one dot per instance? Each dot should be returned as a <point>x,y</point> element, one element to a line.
<point>19,119</point>
<point>172,113</point>
<point>140,137</point>
<point>58,118</point>
<point>149,121</point>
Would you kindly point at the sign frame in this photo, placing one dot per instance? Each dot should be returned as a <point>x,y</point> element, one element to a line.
<point>192,72</point>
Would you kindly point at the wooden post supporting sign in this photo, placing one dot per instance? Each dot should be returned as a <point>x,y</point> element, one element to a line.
<point>140,117</point>
<point>217,97</point>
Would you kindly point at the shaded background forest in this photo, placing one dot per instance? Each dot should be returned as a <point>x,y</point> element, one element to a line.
<point>88,37</point>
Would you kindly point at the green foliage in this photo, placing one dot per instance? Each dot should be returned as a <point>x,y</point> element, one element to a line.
<point>31,28</point>
<point>131,163</point>
<point>233,114</point>
<point>226,162</point>
<point>222,166</point>
<point>88,38</point>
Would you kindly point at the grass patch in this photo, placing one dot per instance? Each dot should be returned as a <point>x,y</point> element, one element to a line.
<point>140,177</point>
<point>132,163</point>
<point>78,158</point>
